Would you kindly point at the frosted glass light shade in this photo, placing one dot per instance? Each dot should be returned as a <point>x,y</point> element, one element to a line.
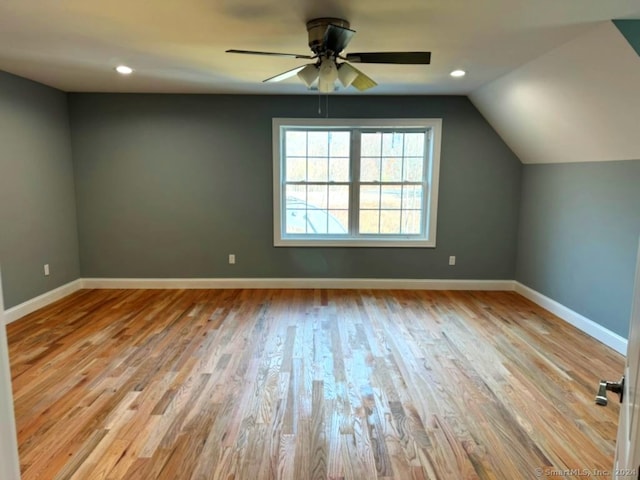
<point>347,74</point>
<point>328,75</point>
<point>309,74</point>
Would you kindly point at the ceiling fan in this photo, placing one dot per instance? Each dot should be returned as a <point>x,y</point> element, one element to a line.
<point>328,37</point>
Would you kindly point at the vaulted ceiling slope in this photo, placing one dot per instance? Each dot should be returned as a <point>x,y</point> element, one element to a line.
<point>577,103</point>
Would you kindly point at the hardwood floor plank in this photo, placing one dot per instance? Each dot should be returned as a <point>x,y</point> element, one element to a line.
<point>306,384</point>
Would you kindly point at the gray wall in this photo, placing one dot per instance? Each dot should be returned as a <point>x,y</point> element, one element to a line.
<point>169,185</point>
<point>578,238</point>
<point>37,204</point>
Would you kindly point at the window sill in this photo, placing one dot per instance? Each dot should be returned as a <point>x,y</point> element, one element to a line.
<point>356,242</point>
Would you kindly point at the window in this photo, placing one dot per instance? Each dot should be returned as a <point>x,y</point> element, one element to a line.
<point>348,182</point>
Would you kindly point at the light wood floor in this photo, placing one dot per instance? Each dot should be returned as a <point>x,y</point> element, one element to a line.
<point>306,384</point>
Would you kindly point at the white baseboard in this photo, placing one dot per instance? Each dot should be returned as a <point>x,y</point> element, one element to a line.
<point>337,283</point>
<point>597,331</point>
<point>609,338</point>
<point>19,311</point>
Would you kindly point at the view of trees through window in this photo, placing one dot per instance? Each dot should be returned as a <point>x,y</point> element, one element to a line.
<point>319,167</point>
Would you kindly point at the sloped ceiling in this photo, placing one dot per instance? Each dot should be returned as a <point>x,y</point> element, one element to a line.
<point>577,103</point>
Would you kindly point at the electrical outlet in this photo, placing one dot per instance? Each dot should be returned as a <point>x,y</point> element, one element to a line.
<point>232,259</point>
<point>452,260</point>
<point>46,269</point>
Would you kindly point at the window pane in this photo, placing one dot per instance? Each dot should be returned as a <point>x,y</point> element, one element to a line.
<point>296,221</point>
<point>411,221</point>
<point>339,169</point>
<point>392,144</point>
<point>413,169</point>
<point>317,221</point>
<point>412,196</point>
<point>296,194</point>
<point>317,196</point>
<point>414,144</point>
<point>370,144</point>
<point>296,144</point>
<point>391,169</point>
<point>339,197</point>
<point>369,196</point>
<point>369,221</point>
<point>339,144</point>
<point>318,169</point>
<point>296,169</point>
<point>391,196</point>
<point>390,221</point>
<point>370,170</point>
<point>318,144</point>
<point>338,221</point>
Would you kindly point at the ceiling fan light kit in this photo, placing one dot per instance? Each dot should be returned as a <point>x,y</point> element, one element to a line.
<point>347,74</point>
<point>309,74</point>
<point>328,37</point>
<point>328,75</point>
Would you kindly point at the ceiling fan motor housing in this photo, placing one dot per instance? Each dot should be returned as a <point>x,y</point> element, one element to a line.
<point>317,28</point>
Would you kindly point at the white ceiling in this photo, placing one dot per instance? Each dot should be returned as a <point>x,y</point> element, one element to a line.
<point>178,46</point>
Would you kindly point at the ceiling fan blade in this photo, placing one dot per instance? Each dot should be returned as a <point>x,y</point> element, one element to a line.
<point>336,38</point>
<point>403,58</point>
<point>284,75</point>
<point>362,81</point>
<point>273,54</point>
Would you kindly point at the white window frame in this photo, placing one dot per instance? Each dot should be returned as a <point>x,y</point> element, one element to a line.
<point>431,179</point>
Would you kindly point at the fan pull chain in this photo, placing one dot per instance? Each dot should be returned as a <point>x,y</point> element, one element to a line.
<point>326,107</point>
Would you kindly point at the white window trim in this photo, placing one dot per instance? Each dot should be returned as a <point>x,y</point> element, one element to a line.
<point>434,124</point>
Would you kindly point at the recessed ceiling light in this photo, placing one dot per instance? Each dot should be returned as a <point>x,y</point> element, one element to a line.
<point>124,70</point>
<point>458,73</point>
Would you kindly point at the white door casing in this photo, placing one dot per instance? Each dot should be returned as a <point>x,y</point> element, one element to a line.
<point>627,461</point>
<point>9,462</point>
